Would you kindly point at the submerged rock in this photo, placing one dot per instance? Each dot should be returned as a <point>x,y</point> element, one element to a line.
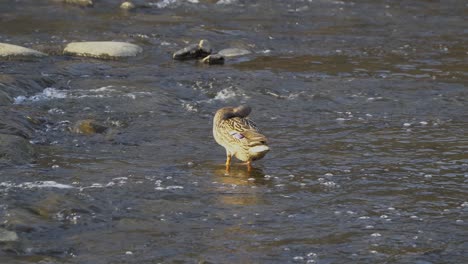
<point>88,127</point>
<point>14,123</point>
<point>9,50</point>
<point>213,59</point>
<point>15,150</point>
<point>102,49</point>
<point>5,99</point>
<point>7,236</point>
<point>194,51</point>
<point>233,52</point>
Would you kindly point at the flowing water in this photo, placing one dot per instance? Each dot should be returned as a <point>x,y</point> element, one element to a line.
<point>365,105</point>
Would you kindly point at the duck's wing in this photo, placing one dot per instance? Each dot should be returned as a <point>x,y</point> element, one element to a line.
<point>243,131</point>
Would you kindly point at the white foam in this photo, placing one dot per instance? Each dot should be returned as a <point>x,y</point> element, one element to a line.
<point>44,184</point>
<point>47,94</point>
<point>164,3</point>
<point>226,2</point>
<point>101,92</point>
<point>225,94</point>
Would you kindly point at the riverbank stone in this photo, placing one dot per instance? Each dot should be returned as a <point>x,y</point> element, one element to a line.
<point>194,51</point>
<point>213,59</point>
<point>233,52</point>
<point>102,49</point>
<point>9,50</point>
<point>15,150</point>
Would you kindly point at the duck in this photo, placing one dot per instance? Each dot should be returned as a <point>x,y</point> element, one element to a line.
<point>239,135</point>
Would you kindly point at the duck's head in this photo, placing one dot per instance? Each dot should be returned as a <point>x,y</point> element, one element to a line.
<point>230,112</point>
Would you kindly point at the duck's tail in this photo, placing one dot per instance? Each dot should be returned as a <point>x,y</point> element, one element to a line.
<point>258,144</point>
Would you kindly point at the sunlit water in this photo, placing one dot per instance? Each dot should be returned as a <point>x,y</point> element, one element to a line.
<point>364,104</point>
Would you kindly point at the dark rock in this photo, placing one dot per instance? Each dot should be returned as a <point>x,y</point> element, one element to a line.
<point>205,46</point>
<point>15,150</point>
<point>194,51</point>
<point>213,59</point>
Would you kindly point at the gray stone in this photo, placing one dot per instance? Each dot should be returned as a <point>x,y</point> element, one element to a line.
<point>205,46</point>
<point>213,59</point>
<point>15,150</point>
<point>193,51</point>
<point>102,49</point>
<point>189,52</point>
<point>8,236</point>
<point>9,50</point>
<point>233,52</point>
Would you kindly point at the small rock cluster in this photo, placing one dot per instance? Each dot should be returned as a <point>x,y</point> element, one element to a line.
<point>202,51</point>
<point>95,49</point>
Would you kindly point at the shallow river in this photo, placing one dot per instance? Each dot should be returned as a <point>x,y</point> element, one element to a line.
<point>365,105</point>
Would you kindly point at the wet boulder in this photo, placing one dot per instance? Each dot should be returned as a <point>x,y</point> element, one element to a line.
<point>9,50</point>
<point>102,49</point>
<point>213,59</point>
<point>88,127</point>
<point>15,150</point>
<point>194,51</point>
<point>233,52</point>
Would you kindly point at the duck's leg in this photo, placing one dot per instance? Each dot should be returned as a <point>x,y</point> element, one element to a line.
<point>228,160</point>
<point>249,165</point>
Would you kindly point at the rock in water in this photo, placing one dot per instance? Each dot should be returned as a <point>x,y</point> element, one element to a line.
<point>204,46</point>
<point>102,49</point>
<point>233,52</point>
<point>15,150</point>
<point>80,2</point>
<point>194,51</point>
<point>8,50</point>
<point>7,236</point>
<point>213,59</point>
<point>189,52</point>
<point>88,127</point>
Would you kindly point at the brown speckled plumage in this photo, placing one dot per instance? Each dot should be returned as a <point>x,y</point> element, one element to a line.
<point>239,135</point>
